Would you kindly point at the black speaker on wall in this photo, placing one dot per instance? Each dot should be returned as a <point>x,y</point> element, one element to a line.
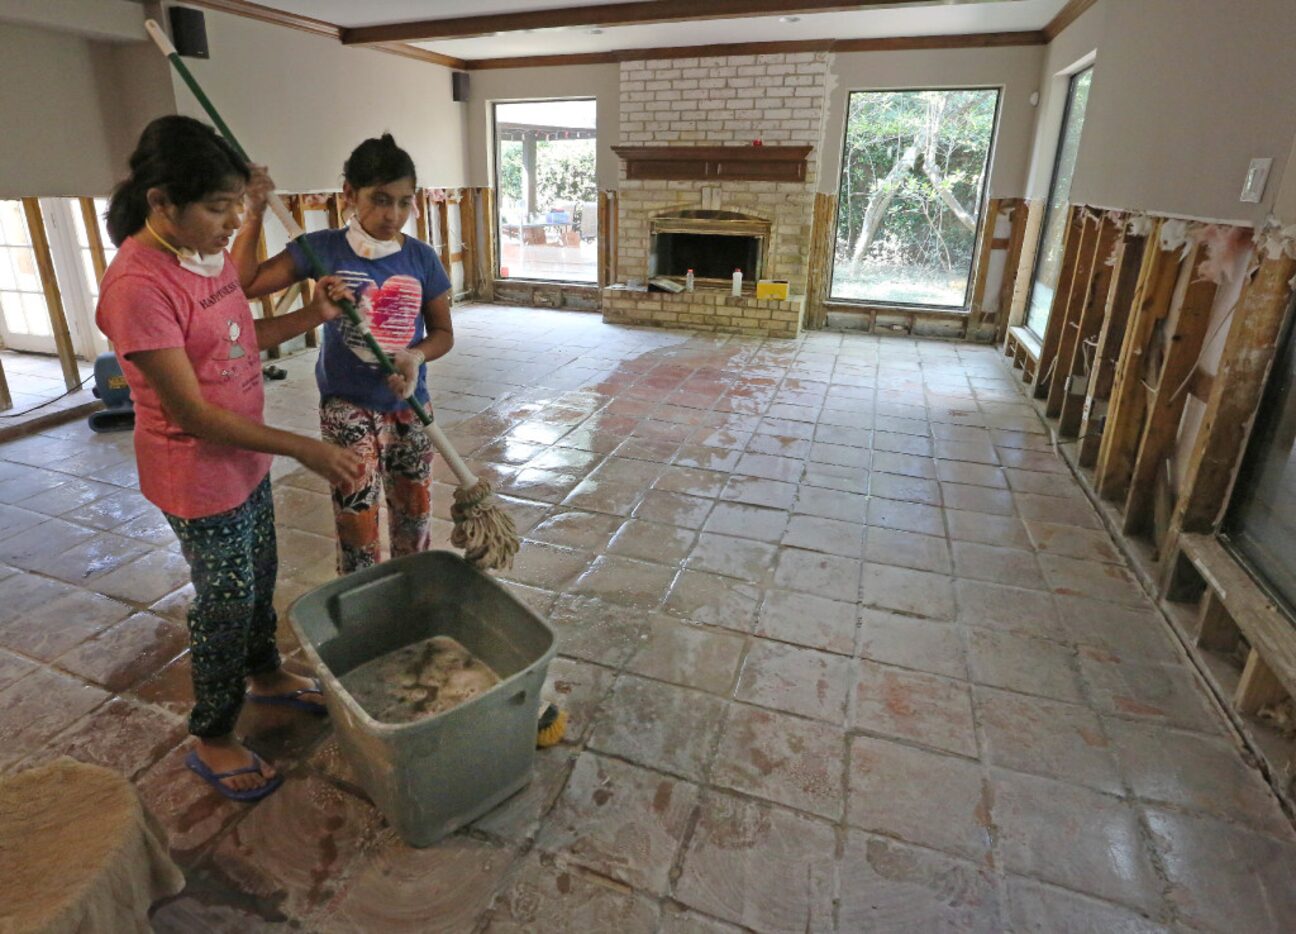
<point>189,32</point>
<point>459,86</point>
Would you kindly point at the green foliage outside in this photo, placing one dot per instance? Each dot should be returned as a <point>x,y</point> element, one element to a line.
<point>911,188</point>
<point>564,172</point>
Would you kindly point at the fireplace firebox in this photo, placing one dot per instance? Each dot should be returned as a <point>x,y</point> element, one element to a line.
<point>711,243</point>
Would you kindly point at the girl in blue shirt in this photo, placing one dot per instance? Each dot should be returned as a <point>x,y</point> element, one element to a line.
<point>404,294</point>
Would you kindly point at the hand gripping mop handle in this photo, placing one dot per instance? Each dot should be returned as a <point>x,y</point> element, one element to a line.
<point>295,233</point>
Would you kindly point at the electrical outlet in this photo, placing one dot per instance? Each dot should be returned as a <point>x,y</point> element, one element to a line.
<point>1257,175</point>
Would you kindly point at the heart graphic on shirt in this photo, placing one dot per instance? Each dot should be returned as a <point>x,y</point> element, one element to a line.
<point>392,311</point>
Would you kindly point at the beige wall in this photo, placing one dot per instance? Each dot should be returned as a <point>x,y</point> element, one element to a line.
<point>56,142</point>
<point>1016,70</point>
<point>1185,94</point>
<point>601,82</point>
<point>300,103</point>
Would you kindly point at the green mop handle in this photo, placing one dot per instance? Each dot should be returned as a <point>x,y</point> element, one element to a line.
<point>297,235</point>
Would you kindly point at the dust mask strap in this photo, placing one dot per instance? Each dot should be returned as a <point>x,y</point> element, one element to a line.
<point>209,265</point>
<point>367,247</point>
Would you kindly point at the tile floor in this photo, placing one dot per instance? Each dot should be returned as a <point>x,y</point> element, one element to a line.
<point>36,387</point>
<point>844,647</point>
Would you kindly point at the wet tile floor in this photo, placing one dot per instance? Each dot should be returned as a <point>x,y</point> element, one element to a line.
<point>844,646</point>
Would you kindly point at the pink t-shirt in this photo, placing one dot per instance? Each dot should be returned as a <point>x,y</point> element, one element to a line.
<point>148,302</point>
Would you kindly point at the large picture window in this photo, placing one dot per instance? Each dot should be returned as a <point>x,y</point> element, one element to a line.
<point>546,190</point>
<point>1048,258</point>
<point>912,188</point>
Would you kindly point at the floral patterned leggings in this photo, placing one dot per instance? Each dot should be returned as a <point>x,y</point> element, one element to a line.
<point>397,456</point>
<point>233,562</point>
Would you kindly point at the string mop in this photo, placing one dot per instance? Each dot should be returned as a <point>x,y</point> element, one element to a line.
<point>484,531</point>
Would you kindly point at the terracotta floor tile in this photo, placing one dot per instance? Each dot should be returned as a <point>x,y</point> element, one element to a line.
<point>147,579</point>
<point>732,557</point>
<point>1225,878</point>
<point>1024,663</point>
<point>548,894</point>
<point>127,652</point>
<point>191,812</point>
<point>737,866</point>
<point>595,631</point>
<point>1167,694</point>
<point>14,520</point>
<point>690,655</point>
<point>833,477</point>
<point>909,642</point>
<point>831,504</point>
<point>884,440</point>
<point>297,844</point>
<point>1155,762</point>
<point>398,889</point>
<point>681,921</point>
<point>806,619</point>
<point>658,725</point>
<point>14,667</point>
<point>1005,531</point>
<point>783,759</point>
<point>608,803</point>
<point>625,582</point>
<point>840,455</point>
<point>713,600</point>
<point>1109,582</point>
<point>692,481</point>
<point>907,489</point>
<point>921,797</point>
<point>909,465</point>
<point>925,709</point>
<point>977,499</point>
<point>1128,632</point>
<point>907,517</point>
<point>831,536</point>
<point>46,631</point>
<point>1074,837</point>
<point>36,707</point>
<point>123,735</point>
<point>825,575</point>
<point>796,680</point>
<point>918,593</point>
<point>907,549</point>
<point>759,491</point>
<point>706,457</point>
<point>1010,609</point>
<point>1078,512</point>
<point>755,522</point>
<point>888,886</point>
<point>547,566</point>
<point>171,688</point>
<point>39,545</point>
<point>582,531</point>
<point>997,565</point>
<point>1039,908</point>
<point>1045,737</point>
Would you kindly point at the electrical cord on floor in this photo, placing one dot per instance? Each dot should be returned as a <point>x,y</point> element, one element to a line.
<point>41,405</point>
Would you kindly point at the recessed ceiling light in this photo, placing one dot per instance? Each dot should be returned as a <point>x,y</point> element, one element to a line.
<point>789,19</point>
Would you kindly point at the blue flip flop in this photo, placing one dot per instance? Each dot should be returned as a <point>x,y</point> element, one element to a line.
<point>216,779</point>
<point>293,699</point>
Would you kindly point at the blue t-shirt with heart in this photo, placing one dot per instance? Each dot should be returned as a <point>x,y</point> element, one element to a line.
<point>390,293</point>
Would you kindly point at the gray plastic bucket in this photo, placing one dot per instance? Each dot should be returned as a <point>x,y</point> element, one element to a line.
<point>434,775</point>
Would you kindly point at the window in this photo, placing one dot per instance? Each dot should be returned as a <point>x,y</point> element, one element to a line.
<point>85,250</point>
<point>912,188</point>
<point>1048,258</point>
<point>546,190</point>
<point>1261,522</point>
<point>24,315</point>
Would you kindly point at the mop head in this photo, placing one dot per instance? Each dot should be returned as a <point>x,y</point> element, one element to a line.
<point>552,728</point>
<point>483,530</point>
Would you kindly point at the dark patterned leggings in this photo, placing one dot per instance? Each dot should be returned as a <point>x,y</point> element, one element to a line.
<point>232,561</point>
<point>397,456</point>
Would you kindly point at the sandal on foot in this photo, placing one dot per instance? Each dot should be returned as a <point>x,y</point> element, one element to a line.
<point>274,372</point>
<point>294,699</point>
<point>217,779</point>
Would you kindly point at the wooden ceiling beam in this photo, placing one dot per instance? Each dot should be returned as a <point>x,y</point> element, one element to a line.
<point>637,12</point>
<point>1066,16</point>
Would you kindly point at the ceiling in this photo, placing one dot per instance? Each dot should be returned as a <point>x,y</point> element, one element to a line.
<point>583,33</point>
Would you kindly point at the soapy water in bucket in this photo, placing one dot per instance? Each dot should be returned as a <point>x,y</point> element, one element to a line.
<point>419,680</point>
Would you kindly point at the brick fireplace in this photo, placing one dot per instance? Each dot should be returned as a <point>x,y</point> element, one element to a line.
<point>689,171</point>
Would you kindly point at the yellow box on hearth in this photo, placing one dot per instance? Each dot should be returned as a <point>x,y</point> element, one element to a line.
<point>776,289</point>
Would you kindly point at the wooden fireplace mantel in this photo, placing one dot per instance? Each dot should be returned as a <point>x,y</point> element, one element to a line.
<point>715,163</point>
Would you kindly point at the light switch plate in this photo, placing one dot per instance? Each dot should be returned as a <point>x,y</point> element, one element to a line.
<point>1254,186</point>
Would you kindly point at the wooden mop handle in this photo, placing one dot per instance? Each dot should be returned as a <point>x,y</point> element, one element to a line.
<point>295,233</point>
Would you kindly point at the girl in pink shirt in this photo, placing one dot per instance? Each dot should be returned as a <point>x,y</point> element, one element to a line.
<point>190,349</point>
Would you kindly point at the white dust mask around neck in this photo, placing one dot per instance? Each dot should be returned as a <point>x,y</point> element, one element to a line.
<point>208,265</point>
<point>368,247</point>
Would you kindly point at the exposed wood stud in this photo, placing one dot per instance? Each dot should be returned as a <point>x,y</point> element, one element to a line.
<point>296,207</point>
<point>443,231</point>
<point>1187,337</point>
<point>1128,407</point>
<point>1072,293</point>
<point>424,205</point>
<point>1071,246</point>
<point>1120,299</point>
<point>976,308</point>
<point>6,400</point>
<point>490,264</point>
<point>53,297</point>
<point>1259,686</point>
<point>1235,395</point>
<point>91,221</point>
<point>333,204</point>
<point>267,301</point>
<point>1093,305</point>
<point>1215,628</point>
<point>821,254</point>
